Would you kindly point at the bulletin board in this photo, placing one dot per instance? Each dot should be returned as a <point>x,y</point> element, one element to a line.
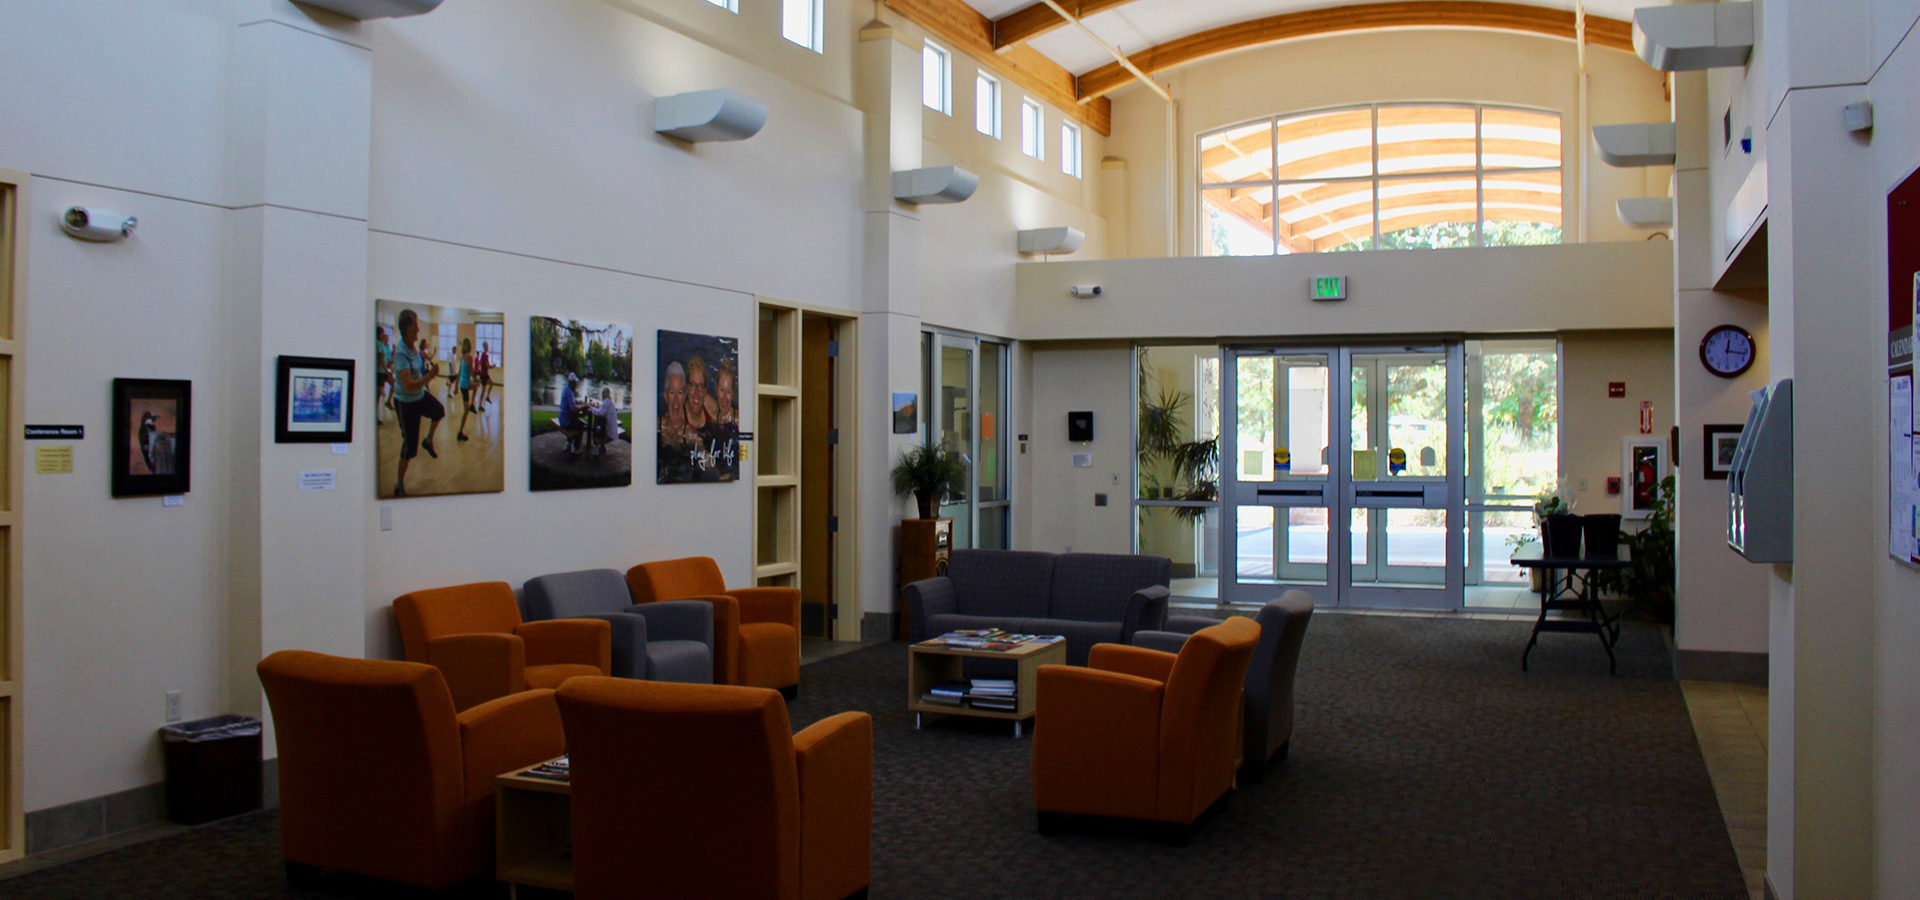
<point>1903,296</point>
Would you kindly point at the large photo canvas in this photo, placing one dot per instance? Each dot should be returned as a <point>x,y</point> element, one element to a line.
<point>436,415</point>
<point>698,408</point>
<point>580,424</point>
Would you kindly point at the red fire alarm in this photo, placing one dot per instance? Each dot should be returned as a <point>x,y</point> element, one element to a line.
<point>1613,485</point>
<point>1616,389</point>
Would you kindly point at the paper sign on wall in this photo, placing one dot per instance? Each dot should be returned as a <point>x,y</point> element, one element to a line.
<point>321,480</point>
<point>57,460</point>
<point>1904,494</point>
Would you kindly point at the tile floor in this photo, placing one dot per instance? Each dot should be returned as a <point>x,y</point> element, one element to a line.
<point>1730,721</point>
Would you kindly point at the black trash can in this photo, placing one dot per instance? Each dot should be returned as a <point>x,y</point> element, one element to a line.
<point>213,768</point>
<point>1603,535</point>
<point>1560,538</point>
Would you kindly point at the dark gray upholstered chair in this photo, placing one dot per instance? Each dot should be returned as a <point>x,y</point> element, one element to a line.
<point>665,641</point>
<point>1090,598</point>
<point>1269,689</point>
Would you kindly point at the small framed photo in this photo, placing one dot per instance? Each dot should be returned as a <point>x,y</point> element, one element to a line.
<point>313,401</point>
<point>152,436</point>
<point>905,413</point>
<point>1717,456</point>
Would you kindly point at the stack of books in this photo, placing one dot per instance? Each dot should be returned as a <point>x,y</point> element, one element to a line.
<point>993,693</point>
<point>951,693</point>
<point>552,770</point>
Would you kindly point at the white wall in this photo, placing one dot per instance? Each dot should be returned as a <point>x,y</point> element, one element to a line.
<point>1503,289</point>
<point>1096,376</point>
<point>1592,424</point>
<point>520,534</point>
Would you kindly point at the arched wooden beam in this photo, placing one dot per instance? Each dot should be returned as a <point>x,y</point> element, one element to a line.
<point>1601,32</point>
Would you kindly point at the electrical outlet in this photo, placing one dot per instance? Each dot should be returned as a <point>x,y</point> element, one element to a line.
<point>173,706</point>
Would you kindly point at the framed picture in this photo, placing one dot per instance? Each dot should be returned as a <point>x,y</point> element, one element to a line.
<point>313,401</point>
<point>580,402</point>
<point>437,424</point>
<point>905,414</point>
<point>1643,465</point>
<point>152,436</point>
<point>698,408</point>
<point>1717,457</point>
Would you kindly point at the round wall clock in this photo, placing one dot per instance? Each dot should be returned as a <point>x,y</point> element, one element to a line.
<point>1727,351</point>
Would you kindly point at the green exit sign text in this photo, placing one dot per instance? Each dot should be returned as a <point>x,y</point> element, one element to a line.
<point>1329,287</point>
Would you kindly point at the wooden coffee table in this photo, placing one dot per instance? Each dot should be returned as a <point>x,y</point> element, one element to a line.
<point>533,832</point>
<point>928,666</point>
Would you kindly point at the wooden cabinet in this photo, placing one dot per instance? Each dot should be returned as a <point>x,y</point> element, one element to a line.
<point>925,547</point>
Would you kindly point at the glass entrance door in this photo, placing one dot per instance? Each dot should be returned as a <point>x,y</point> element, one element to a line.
<point>1344,478</point>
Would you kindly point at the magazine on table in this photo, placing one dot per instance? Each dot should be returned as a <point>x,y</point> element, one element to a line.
<point>992,639</point>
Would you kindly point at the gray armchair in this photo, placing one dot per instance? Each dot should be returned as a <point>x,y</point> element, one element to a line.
<point>664,641</point>
<point>1269,689</point>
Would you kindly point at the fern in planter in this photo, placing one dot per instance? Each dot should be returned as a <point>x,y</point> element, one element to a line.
<point>1192,466</point>
<point>929,474</point>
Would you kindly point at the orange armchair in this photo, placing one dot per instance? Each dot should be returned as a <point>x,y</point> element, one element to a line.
<point>473,634</point>
<point>701,791</point>
<point>756,631</point>
<point>379,776</point>
<point>1142,734</point>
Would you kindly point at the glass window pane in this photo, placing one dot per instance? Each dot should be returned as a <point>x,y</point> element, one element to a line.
<point>1241,153</point>
<point>1032,143</point>
<point>1519,139</point>
<point>1236,221</point>
<point>994,529</point>
<point>1428,212</point>
<point>1522,209</point>
<point>1176,442</point>
<point>1190,536</point>
<point>1315,217</point>
<point>991,462</point>
<point>1426,139</point>
<point>1286,544</point>
<point>986,105</point>
<point>798,23</point>
<point>936,79</point>
<point>1328,144</point>
<point>1417,417</point>
<point>1253,438</point>
<point>1070,149</point>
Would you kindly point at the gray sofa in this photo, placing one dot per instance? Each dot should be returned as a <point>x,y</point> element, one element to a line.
<point>1091,598</point>
<point>670,640</point>
<point>1269,689</point>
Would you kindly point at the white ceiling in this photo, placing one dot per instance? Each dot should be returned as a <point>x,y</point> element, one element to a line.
<point>1145,23</point>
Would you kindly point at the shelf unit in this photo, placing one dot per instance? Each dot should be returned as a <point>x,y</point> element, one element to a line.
<point>776,454</point>
<point>13,231</point>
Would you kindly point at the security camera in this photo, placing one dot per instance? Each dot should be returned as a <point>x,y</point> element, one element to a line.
<point>1083,291</point>
<point>93,224</point>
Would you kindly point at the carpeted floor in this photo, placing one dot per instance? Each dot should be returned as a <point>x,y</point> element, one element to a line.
<point>1424,765</point>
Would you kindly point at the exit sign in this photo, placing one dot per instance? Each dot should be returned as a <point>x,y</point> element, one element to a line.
<point>1329,287</point>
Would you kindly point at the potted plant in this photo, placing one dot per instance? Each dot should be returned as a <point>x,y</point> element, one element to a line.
<point>1192,466</point>
<point>929,474</point>
<point>1650,581</point>
<point>1519,541</point>
<point>1559,527</point>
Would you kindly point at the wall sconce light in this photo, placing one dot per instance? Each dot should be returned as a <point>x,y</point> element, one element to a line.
<point>703,116</point>
<point>936,184</point>
<point>375,9</point>
<point>1060,239</point>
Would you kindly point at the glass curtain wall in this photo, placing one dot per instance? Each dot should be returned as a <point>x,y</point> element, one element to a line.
<point>965,393</point>
<point>1513,455</point>
<point>1176,464</point>
<point>1384,176</point>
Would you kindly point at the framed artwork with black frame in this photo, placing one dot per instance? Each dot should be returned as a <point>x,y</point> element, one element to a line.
<point>1717,458</point>
<point>152,436</point>
<point>313,401</point>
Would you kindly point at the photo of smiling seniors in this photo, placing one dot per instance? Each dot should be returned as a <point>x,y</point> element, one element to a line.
<point>581,421</point>
<point>439,440</point>
<point>698,408</point>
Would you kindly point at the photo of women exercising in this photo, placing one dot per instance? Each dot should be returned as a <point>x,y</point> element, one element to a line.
<point>429,343</point>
